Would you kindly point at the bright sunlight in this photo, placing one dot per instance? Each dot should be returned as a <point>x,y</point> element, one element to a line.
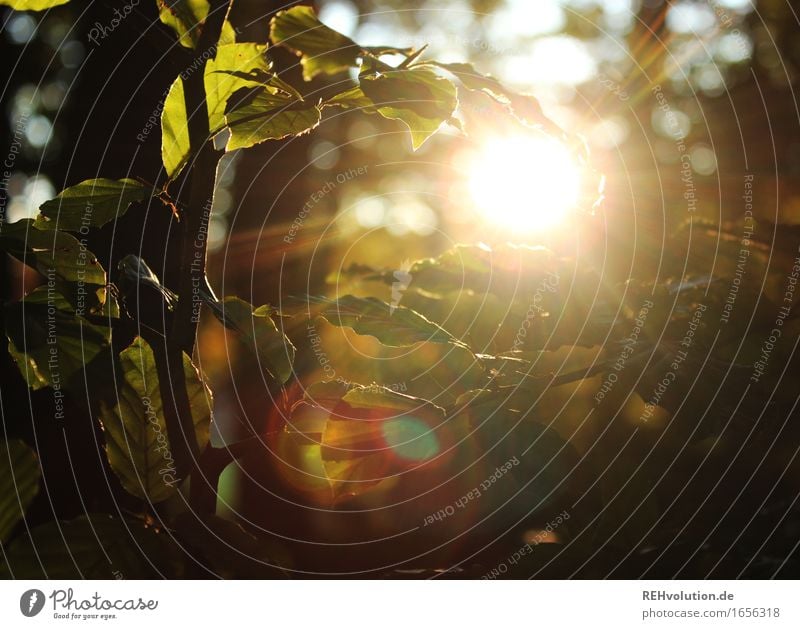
<point>524,182</point>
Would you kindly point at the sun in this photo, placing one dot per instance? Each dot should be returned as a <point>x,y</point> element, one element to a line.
<point>524,183</point>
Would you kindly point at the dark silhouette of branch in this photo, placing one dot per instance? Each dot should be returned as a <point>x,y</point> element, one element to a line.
<point>183,331</point>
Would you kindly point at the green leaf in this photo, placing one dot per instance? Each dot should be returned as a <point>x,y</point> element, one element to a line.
<point>484,296</point>
<point>49,342</point>
<point>523,106</point>
<point>175,143</point>
<point>137,445</point>
<point>260,334</point>
<point>187,18</point>
<point>321,49</point>
<point>270,115</point>
<point>32,5</point>
<point>367,397</point>
<point>91,203</point>
<point>234,67</point>
<point>352,98</point>
<point>462,267</point>
<point>417,97</point>
<point>326,394</point>
<point>19,484</point>
<point>228,34</point>
<point>373,432</point>
<point>96,546</point>
<point>506,270</point>
<point>51,251</point>
<point>394,327</point>
<point>329,394</point>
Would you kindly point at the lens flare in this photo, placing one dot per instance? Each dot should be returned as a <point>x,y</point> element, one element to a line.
<point>410,438</point>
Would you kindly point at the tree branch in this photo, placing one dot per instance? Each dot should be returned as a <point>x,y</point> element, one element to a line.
<point>192,275</point>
